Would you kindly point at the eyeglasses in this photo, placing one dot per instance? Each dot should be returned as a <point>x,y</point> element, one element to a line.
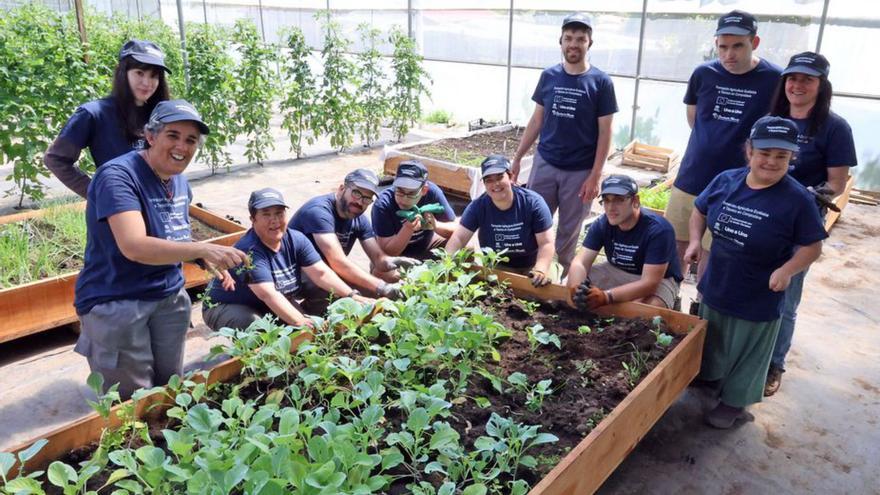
<point>411,195</point>
<point>361,197</point>
<point>613,199</point>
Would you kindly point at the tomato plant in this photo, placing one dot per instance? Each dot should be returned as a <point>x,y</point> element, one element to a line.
<point>255,91</point>
<point>299,98</point>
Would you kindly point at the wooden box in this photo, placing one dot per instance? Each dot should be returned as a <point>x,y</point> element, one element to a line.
<point>641,155</point>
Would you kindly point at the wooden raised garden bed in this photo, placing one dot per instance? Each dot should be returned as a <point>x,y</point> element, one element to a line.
<point>581,471</point>
<point>841,202</point>
<point>48,303</point>
<point>454,163</point>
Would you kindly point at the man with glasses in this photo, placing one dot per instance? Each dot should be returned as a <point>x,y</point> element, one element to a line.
<point>334,221</point>
<point>417,237</point>
<point>642,262</point>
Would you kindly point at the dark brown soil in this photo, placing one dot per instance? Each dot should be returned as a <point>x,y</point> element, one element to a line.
<point>202,231</point>
<point>471,150</point>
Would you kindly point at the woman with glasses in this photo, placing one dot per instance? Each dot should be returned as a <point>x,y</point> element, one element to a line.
<point>333,222</point>
<point>642,261</point>
<point>416,237</point>
<point>511,219</point>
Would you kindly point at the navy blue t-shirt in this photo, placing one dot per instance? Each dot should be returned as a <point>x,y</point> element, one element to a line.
<point>386,223</point>
<point>727,107</point>
<point>127,183</point>
<point>651,241</point>
<point>754,232</point>
<point>832,146</point>
<point>283,269</point>
<point>96,126</point>
<point>572,107</point>
<point>513,229</point>
<point>318,216</point>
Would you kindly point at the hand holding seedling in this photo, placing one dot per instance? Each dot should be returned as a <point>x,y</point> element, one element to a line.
<point>221,257</point>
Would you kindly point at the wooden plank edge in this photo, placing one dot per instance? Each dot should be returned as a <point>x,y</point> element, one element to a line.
<point>841,201</point>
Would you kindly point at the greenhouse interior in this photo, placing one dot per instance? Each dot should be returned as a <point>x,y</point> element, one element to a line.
<point>439,247</point>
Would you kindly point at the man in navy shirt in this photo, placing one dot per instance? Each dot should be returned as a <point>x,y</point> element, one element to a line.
<point>333,222</point>
<point>272,281</point>
<point>724,98</point>
<point>574,106</point>
<point>417,237</point>
<point>510,219</point>
<point>129,295</point>
<point>640,247</point>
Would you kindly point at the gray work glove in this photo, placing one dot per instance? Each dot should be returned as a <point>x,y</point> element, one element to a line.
<point>391,291</point>
<point>398,262</point>
<point>580,294</point>
<point>824,197</point>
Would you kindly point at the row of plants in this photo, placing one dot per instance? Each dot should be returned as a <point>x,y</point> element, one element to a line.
<point>656,197</point>
<point>374,403</point>
<point>45,72</point>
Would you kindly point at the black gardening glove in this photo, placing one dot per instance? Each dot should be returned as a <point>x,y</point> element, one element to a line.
<point>824,196</point>
<point>580,294</point>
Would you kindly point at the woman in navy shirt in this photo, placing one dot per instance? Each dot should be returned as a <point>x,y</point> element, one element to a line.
<point>765,229</point>
<point>111,126</point>
<point>509,218</point>
<point>827,151</point>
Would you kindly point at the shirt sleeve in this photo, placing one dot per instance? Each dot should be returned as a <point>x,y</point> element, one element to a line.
<point>470,219</point>
<point>808,226</point>
<point>701,203</point>
<point>113,192</point>
<point>542,219</point>
<point>537,94</point>
<point>841,146</point>
<point>690,96</point>
<point>261,270</point>
<point>660,242</point>
<point>363,228</point>
<point>306,254</point>
<point>383,213</point>
<point>607,98</point>
<point>79,129</point>
<point>317,220</point>
<point>596,234</point>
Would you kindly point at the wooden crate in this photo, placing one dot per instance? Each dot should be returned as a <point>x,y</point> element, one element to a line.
<point>641,155</point>
<point>582,471</point>
<point>48,303</point>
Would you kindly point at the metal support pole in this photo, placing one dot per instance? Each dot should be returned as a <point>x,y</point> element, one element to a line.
<point>635,105</point>
<point>183,43</point>
<point>409,16</point>
<point>509,59</point>
<point>262,22</point>
<point>822,26</point>
<point>205,10</point>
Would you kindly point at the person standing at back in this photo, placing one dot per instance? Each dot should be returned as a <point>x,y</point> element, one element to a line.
<point>724,98</point>
<point>574,106</point>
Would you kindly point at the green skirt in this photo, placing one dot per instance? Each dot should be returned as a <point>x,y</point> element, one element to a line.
<point>737,354</point>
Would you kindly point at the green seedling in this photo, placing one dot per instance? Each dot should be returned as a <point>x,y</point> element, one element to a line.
<point>530,307</point>
<point>584,329</point>
<point>663,339</point>
<point>636,367</point>
<point>584,368</point>
<point>538,336</point>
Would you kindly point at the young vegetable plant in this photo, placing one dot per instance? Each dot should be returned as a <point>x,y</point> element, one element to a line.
<point>663,339</point>
<point>636,367</point>
<point>534,395</point>
<point>538,336</point>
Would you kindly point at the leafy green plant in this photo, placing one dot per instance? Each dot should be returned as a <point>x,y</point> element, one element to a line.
<point>538,336</point>
<point>372,102</point>
<point>584,329</point>
<point>438,117</point>
<point>663,339</point>
<point>212,89</point>
<point>536,394</point>
<point>20,483</point>
<point>638,364</point>
<point>299,93</point>
<point>256,90</point>
<point>337,112</point>
<point>585,367</point>
<point>411,81</point>
<point>655,198</point>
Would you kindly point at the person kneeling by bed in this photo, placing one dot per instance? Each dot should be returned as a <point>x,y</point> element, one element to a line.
<point>273,280</point>
<point>642,262</point>
<point>509,218</point>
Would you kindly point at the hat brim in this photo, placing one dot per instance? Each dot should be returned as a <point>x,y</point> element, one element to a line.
<point>763,144</point>
<point>617,191</point>
<point>150,60</point>
<point>369,186</point>
<point>494,171</point>
<point>802,69</point>
<point>408,183</point>
<point>268,202</point>
<point>203,128</point>
<point>579,23</point>
<point>734,30</point>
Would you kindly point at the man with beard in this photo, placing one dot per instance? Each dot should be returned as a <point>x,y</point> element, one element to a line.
<point>642,262</point>
<point>332,222</point>
<point>574,106</point>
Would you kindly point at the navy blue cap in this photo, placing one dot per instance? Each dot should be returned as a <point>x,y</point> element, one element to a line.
<point>619,185</point>
<point>577,18</point>
<point>495,164</point>
<point>363,178</point>
<point>774,132</point>
<point>264,198</point>
<point>812,64</point>
<point>145,52</point>
<point>737,22</point>
<point>411,174</point>
<point>175,111</point>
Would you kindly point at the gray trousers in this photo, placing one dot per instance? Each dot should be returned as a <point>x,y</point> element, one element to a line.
<point>560,188</point>
<point>239,316</point>
<point>136,343</point>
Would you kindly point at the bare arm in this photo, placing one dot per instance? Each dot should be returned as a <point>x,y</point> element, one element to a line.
<point>580,267</point>
<point>803,257</point>
<point>131,236</point>
<point>545,250</point>
<point>696,229</point>
<point>590,188</point>
<point>395,244</point>
<point>646,286</point>
<point>837,177</point>
<point>278,304</point>
<point>344,267</point>
<point>691,115</point>
<point>459,239</point>
<point>445,229</point>
<point>327,279</point>
<point>530,134</point>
